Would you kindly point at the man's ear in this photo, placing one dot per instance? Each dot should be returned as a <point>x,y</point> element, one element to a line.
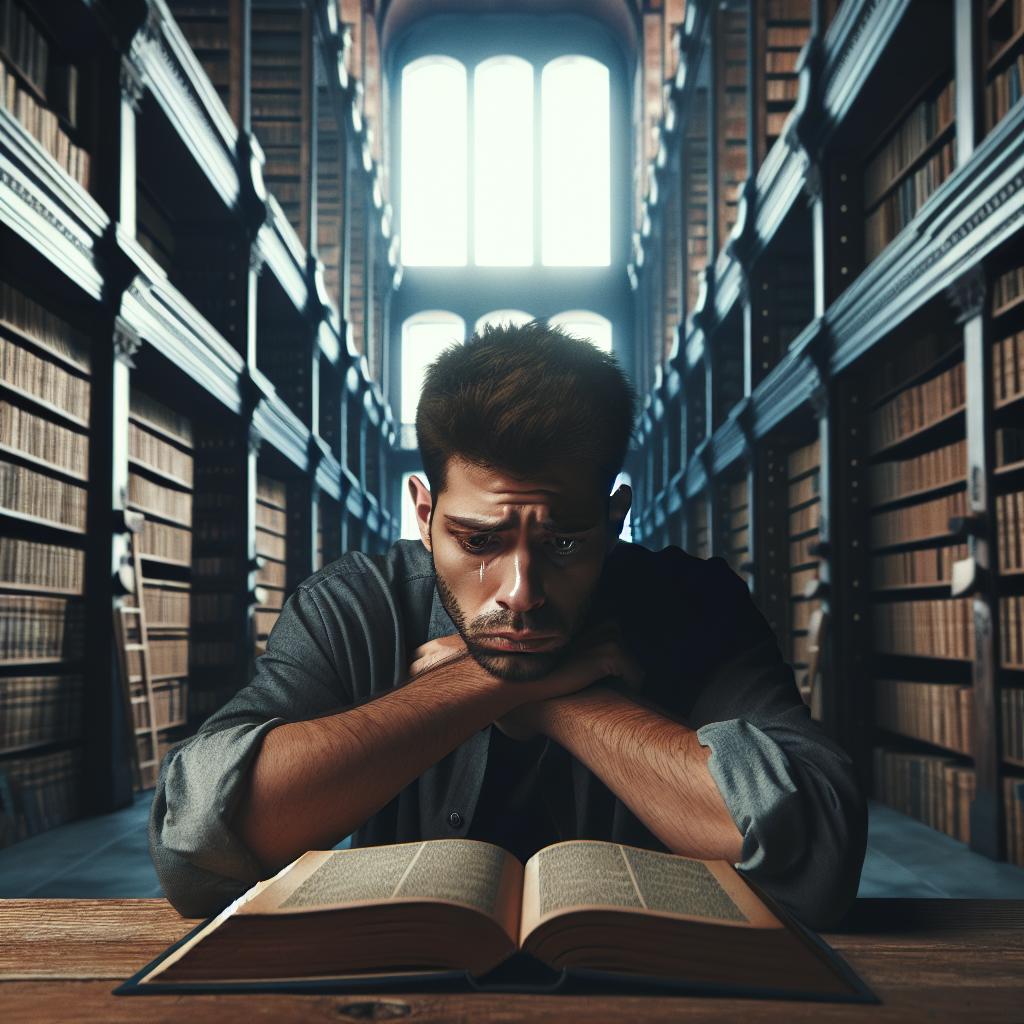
<point>422,503</point>
<point>619,505</point>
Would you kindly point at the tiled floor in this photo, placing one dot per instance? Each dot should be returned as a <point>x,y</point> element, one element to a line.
<point>108,856</point>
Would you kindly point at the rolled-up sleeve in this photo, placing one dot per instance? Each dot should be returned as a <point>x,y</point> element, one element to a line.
<point>200,861</point>
<point>791,790</point>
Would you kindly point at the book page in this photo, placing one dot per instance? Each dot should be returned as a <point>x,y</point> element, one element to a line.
<point>464,871</point>
<point>587,874</point>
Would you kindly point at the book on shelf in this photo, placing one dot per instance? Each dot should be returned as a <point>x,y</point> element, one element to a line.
<point>29,563</point>
<point>38,792</point>
<point>902,478</point>
<point>412,910</point>
<point>1011,638</point>
<point>942,628</point>
<point>934,789</point>
<point>1010,530</point>
<point>1012,707</point>
<point>930,566</point>
<point>918,407</point>
<point>939,713</point>
<point>925,520</point>
<point>34,628</point>
<point>1013,803</point>
<point>1008,368</point>
<point>37,710</point>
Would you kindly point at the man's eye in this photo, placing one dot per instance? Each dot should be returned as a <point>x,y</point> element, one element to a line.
<point>475,542</point>
<point>567,545</point>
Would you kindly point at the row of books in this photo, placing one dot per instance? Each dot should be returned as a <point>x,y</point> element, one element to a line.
<point>270,518</point>
<point>1008,368</point>
<point>934,789</point>
<point>23,44</point>
<point>168,656</point>
<point>170,704</point>
<point>1007,289</point>
<point>917,407</point>
<point>43,379</point>
<point>1013,803</point>
<point>927,629</point>
<point>900,478</point>
<point>36,564</point>
<point>36,710</point>
<point>166,603</point>
<point>39,792</point>
<point>166,542</point>
<point>923,521</point>
<point>1003,91</point>
<point>939,713</point>
<point>1010,524</point>
<point>919,129</point>
<point>160,456</point>
<point>43,440</point>
<point>898,207</point>
<point>44,126</point>
<point>1012,706</point>
<point>147,412</point>
<point>35,322</point>
<point>26,492</point>
<point>152,498</point>
<point>931,565</point>
<point>271,497</point>
<point>36,628</point>
<point>1011,631</point>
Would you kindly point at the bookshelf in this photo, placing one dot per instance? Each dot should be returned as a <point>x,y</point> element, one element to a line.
<point>785,30</point>
<point>731,106</point>
<point>45,379</point>
<point>1002,48</point>
<point>878,425</point>
<point>271,549</point>
<point>173,225</point>
<point>915,158</point>
<point>160,486</point>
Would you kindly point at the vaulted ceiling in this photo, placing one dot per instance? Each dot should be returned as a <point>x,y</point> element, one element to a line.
<point>620,16</point>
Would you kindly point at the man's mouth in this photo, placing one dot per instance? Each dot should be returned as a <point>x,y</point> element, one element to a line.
<point>523,642</point>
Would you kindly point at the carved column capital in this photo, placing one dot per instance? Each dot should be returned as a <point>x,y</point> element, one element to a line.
<point>132,84</point>
<point>126,342</point>
<point>967,294</point>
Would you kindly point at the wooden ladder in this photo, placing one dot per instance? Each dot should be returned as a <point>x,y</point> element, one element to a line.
<point>145,770</point>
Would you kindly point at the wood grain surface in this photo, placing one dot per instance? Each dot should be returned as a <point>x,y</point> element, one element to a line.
<point>927,960</point>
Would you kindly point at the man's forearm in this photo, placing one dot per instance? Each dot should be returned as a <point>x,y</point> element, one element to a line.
<point>313,783</point>
<point>654,764</point>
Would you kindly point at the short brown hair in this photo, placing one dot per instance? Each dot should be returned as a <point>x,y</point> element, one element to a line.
<point>521,397</point>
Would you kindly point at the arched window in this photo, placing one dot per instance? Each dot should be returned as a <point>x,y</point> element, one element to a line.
<point>424,337</point>
<point>502,316</point>
<point>433,193</point>
<point>583,324</point>
<point>576,159</point>
<point>503,163</point>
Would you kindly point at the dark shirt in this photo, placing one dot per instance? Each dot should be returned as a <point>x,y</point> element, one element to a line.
<point>512,811</point>
<point>709,656</point>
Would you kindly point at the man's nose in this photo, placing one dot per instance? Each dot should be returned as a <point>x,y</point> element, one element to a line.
<point>521,587</point>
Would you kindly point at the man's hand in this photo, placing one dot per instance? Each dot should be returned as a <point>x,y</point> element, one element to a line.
<point>599,654</point>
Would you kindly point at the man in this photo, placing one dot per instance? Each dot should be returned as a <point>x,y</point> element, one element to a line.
<point>521,676</point>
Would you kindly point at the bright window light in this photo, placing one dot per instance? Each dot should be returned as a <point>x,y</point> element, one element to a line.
<point>576,159</point>
<point>516,317</point>
<point>581,323</point>
<point>424,337</point>
<point>503,162</point>
<point>410,531</point>
<point>434,163</point>
<point>627,525</point>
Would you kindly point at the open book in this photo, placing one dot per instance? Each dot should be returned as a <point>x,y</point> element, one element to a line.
<point>468,905</point>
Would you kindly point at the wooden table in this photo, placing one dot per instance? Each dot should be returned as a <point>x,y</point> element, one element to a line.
<point>938,960</point>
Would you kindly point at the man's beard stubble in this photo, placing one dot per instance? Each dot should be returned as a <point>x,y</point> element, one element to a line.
<point>509,666</point>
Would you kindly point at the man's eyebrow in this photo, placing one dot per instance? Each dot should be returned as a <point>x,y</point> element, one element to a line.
<point>484,525</point>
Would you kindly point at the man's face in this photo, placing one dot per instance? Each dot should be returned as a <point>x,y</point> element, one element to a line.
<point>518,560</point>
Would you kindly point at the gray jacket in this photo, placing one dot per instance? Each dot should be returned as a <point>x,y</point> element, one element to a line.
<point>345,635</point>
